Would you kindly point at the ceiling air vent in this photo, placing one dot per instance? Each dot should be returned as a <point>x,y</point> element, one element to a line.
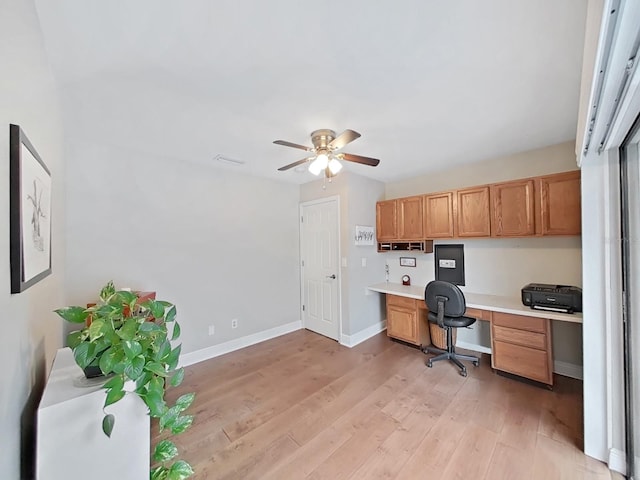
<point>229,161</point>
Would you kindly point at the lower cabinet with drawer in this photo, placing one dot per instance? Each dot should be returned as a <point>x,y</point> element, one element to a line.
<point>522,346</point>
<point>407,320</point>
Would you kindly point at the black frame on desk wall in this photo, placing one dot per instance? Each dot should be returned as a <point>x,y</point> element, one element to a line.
<point>30,213</point>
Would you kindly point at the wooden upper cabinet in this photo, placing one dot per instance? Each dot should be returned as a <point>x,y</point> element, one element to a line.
<point>386,220</point>
<point>560,204</point>
<point>438,215</point>
<point>512,209</point>
<point>473,212</point>
<point>410,218</point>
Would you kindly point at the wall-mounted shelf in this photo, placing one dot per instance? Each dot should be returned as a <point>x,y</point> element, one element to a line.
<point>424,246</point>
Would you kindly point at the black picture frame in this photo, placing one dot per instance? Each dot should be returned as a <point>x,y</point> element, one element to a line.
<point>407,261</point>
<point>30,213</point>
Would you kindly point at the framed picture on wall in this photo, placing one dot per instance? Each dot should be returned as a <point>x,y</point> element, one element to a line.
<point>364,235</point>
<point>30,213</point>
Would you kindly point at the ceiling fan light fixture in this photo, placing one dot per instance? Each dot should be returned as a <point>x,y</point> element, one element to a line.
<point>334,166</point>
<point>319,164</point>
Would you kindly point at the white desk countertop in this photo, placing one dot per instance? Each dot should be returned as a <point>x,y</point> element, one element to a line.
<point>481,301</point>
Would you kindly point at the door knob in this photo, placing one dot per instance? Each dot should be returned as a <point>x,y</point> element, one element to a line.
<point>332,276</point>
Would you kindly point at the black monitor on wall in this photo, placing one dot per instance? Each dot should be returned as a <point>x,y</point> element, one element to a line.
<point>449,263</point>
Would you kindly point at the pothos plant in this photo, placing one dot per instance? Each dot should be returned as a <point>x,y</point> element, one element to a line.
<point>129,340</point>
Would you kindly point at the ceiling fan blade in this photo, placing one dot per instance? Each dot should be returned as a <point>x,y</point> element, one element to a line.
<point>294,145</point>
<point>350,157</point>
<point>294,164</point>
<point>341,140</point>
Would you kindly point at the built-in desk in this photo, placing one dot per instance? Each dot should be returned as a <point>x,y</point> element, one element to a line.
<point>520,336</point>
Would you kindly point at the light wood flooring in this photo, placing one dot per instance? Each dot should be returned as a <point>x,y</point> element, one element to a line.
<point>303,407</point>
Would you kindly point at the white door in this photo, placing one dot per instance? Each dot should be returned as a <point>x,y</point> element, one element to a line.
<point>319,249</point>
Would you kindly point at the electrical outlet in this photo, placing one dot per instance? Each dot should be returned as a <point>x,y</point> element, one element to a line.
<point>212,329</point>
<point>234,323</point>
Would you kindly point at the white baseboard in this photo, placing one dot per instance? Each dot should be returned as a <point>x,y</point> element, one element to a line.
<point>567,369</point>
<point>236,344</point>
<point>617,461</point>
<point>473,347</point>
<point>362,335</point>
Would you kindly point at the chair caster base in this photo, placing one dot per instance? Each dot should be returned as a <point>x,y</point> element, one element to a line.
<point>463,373</point>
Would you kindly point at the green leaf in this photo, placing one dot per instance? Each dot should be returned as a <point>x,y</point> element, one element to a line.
<point>176,331</point>
<point>132,348</point>
<point>142,381</point>
<point>95,329</point>
<point>113,396</point>
<point>164,351</point>
<point>116,382</point>
<point>124,296</point>
<point>171,314</point>
<point>165,451</point>
<point>156,404</point>
<point>74,338</point>
<point>173,357</point>
<point>156,368</point>
<point>107,424</point>
<point>167,419</point>
<point>147,327</point>
<point>107,290</point>
<point>73,314</point>
<point>128,330</point>
<point>181,424</point>
<point>180,470</point>
<point>185,401</point>
<point>157,309</point>
<point>84,354</point>
<point>159,473</point>
<point>135,368</point>
<point>177,377</point>
<point>107,360</point>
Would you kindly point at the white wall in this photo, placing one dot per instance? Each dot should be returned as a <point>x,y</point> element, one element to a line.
<point>217,244</point>
<point>31,332</point>
<point>504,266</point>
<point>362,310</point>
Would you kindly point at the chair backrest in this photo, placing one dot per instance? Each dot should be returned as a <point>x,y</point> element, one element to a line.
<point>454,305</point>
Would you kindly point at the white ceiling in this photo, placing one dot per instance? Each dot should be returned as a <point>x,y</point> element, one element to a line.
<point>429,84</point>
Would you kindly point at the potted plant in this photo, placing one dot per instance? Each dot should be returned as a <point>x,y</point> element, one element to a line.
<point>130,341</point>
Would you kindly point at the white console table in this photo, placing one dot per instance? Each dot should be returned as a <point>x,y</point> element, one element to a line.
<point>70,441</point>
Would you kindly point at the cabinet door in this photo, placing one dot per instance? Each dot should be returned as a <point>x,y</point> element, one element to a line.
<point>438,215</point>
<point>410,218</point>
<point>512,209</point>
<point>473,212</point>
<point>402,323</point>
<point>386,220</point>
<point>560,204</point>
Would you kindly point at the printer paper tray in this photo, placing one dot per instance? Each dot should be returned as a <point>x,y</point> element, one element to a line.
<point>551,309</point>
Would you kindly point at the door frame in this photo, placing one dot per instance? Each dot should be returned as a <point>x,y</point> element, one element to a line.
<point>336,199</point>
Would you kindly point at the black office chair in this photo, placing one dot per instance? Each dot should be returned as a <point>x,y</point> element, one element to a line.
<point>447,305</point>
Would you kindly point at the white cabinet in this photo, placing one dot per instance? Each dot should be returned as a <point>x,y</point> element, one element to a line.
<point>70,441</point>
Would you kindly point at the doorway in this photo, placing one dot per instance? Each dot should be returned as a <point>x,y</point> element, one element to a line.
<point>320,272</point>
<point>630,235</point>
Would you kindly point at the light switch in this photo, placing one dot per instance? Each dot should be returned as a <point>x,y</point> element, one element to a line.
<point>364,261</point>
<point>344,262</point>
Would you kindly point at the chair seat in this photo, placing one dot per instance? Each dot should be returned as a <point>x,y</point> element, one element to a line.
<point>457,322</point>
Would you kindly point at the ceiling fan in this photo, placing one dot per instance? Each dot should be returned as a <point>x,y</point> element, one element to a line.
<point>324,152</point>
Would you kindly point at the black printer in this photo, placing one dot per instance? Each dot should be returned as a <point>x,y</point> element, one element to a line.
<point>556,298</point>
